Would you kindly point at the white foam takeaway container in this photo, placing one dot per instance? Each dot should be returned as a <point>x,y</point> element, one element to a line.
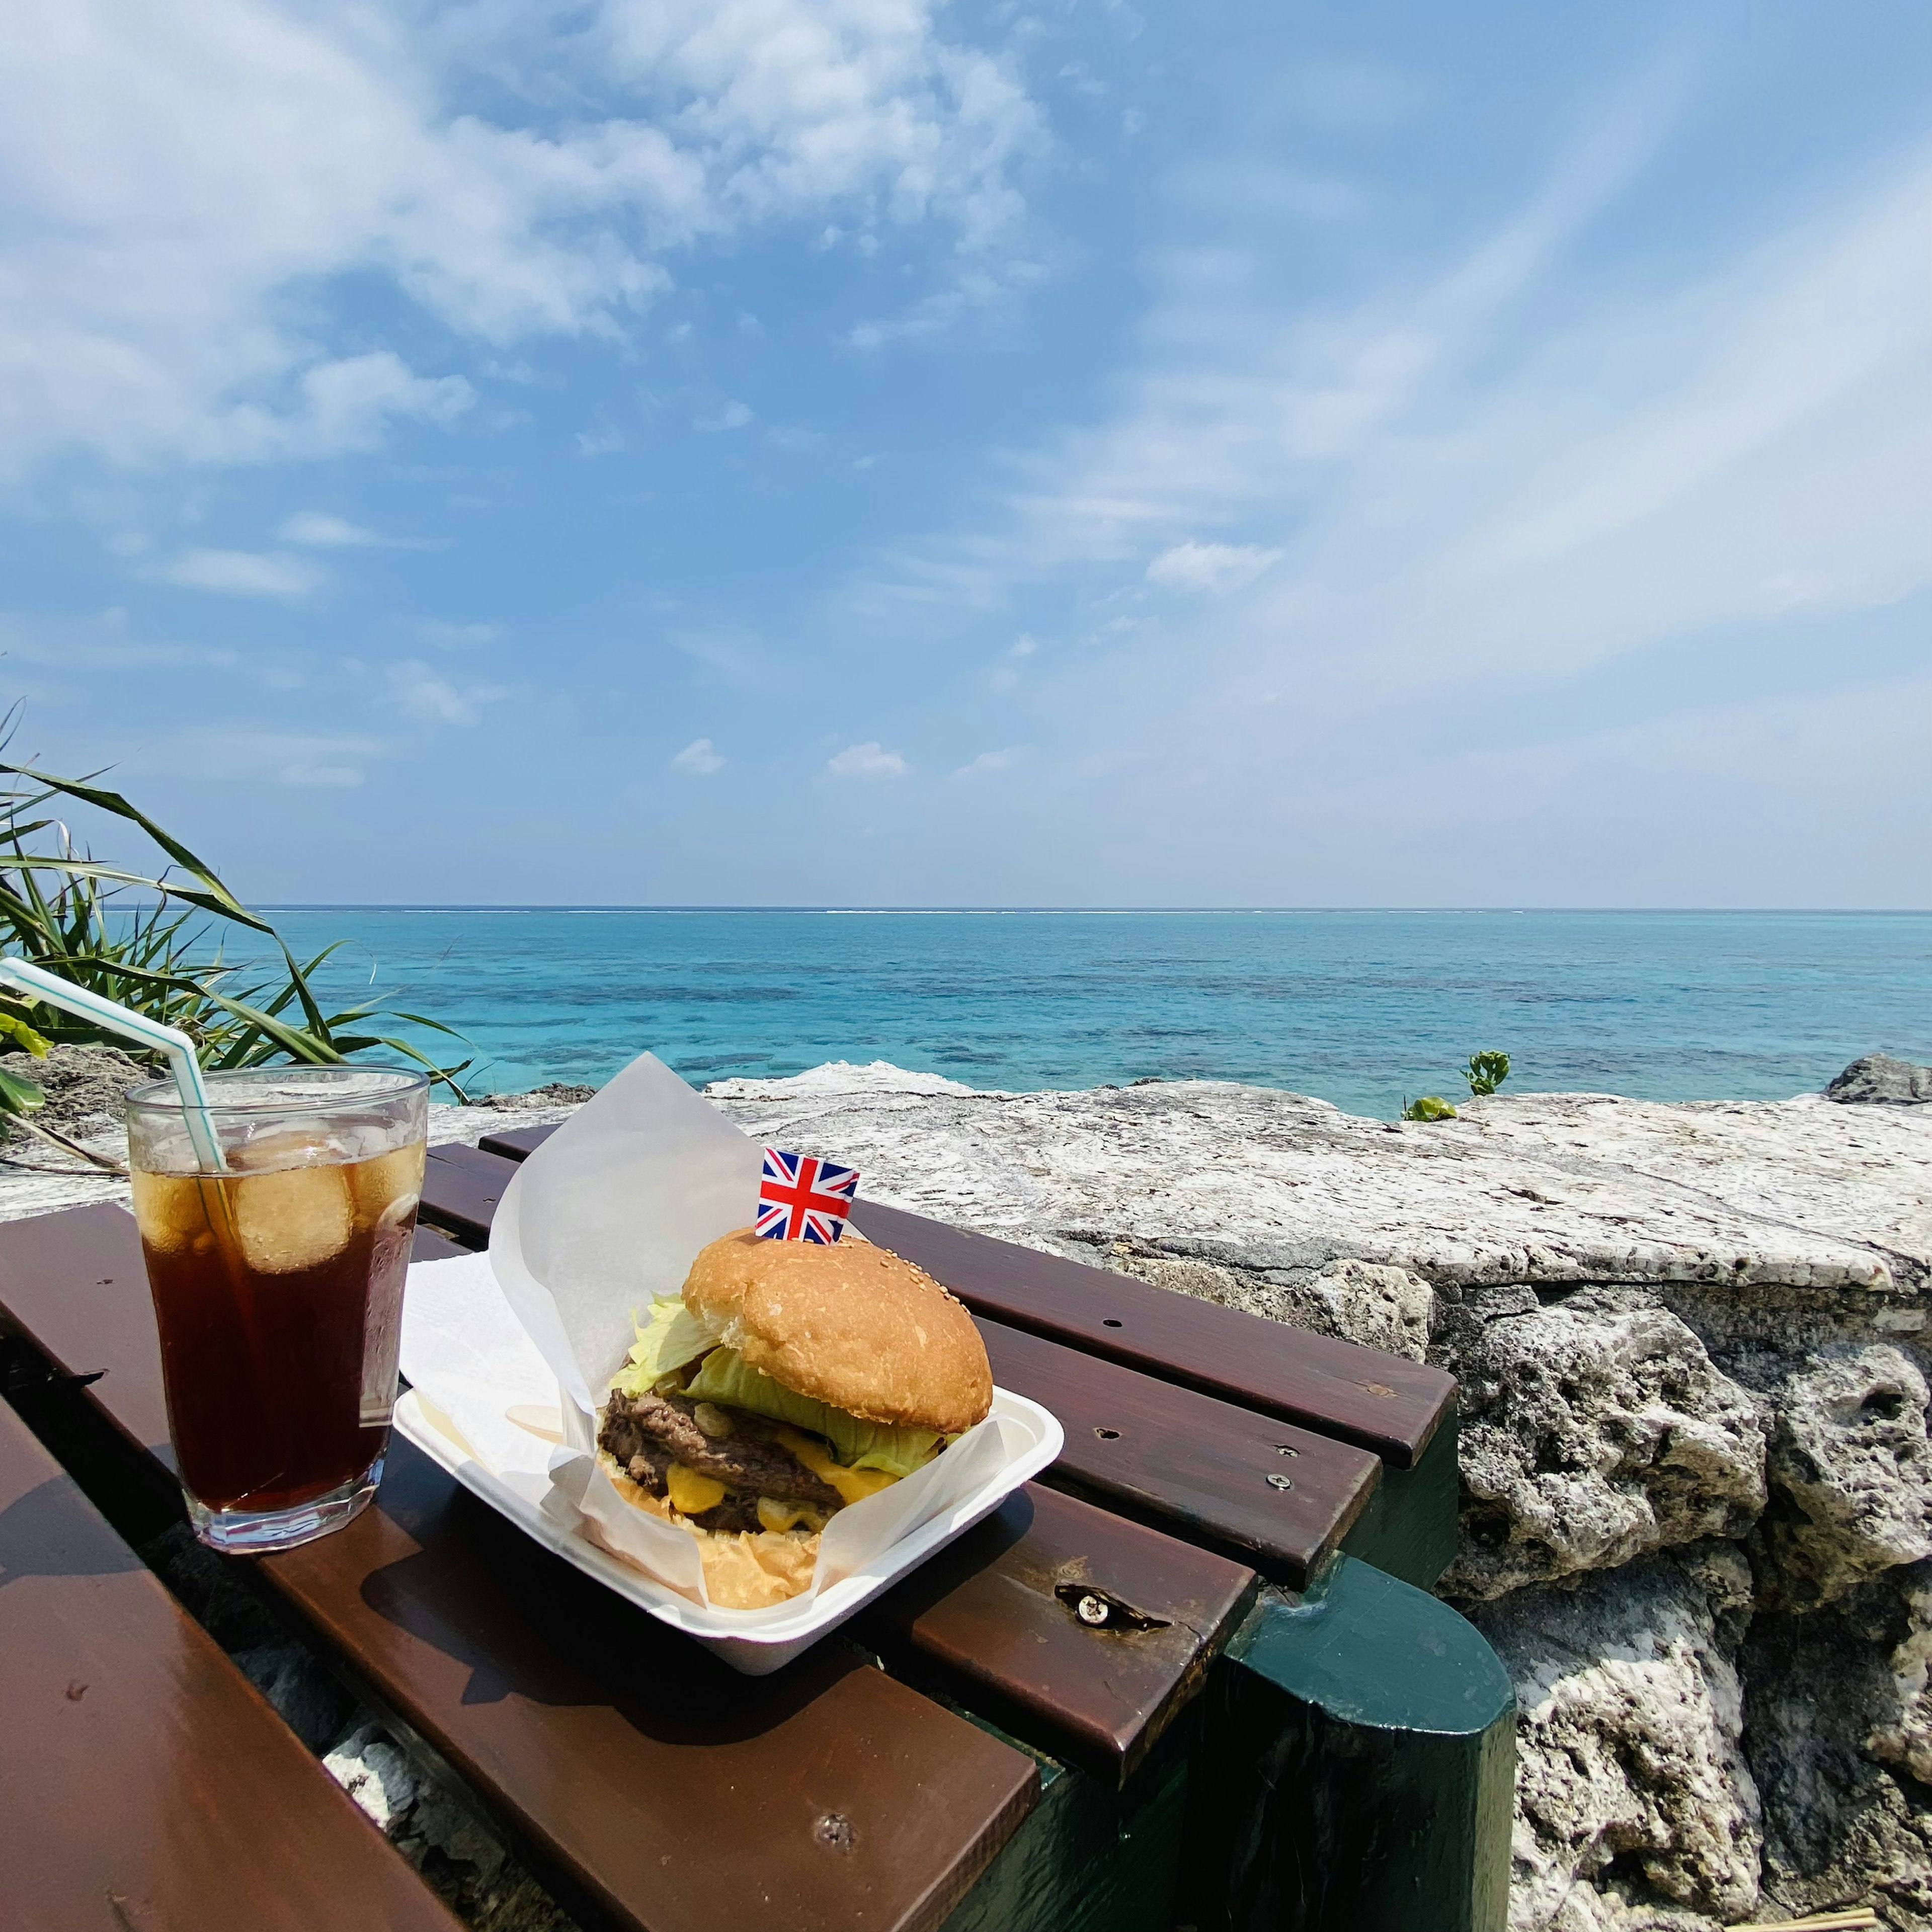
<point>755,1641</point>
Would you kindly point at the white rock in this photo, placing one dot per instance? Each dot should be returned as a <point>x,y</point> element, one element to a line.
<point>1853,1471</point>
<point>374,1772</point>
<point>1358,1301</point>
<point>1546,1188</point>
<point>1903,1735</point>
<point>1836,1721</point>
<point>1631,1779</point>
<point>1594,1432</point>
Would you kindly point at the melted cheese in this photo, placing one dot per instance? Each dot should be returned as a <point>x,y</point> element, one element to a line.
<point>692,1493</point>
<point>778,1517</point>
<point>853,1486</point>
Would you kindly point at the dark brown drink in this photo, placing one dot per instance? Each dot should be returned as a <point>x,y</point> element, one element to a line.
<point>277,1288</point>
<point>278,1295</point>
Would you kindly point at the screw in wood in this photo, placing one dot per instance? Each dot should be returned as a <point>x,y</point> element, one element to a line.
<point>1107,1435</point>
<point>1098,1611</point>
<point>834,1831</point>
<point>1280,1483</point>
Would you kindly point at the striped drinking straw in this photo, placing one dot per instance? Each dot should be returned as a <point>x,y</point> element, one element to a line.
<point>166,1039</point>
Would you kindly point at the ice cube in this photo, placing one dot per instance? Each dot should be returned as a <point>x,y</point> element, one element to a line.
<point>168,1211</point>
<point>386,1187</point>
<point>293,1217</point>
<point>286,1147</point>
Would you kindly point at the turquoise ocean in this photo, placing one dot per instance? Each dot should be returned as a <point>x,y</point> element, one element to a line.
<point>1364,1008</point>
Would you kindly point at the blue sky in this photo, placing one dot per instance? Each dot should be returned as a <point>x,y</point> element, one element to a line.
<point>875,452</point>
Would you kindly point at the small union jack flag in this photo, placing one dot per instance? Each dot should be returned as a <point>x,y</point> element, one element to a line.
<point>801,1198</point>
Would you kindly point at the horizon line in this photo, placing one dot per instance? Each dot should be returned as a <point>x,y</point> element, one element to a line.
<point>848,911</point>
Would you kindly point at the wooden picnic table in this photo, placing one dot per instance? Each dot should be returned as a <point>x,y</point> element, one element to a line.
<point>1190,1676</point>
<point>143,1777</point>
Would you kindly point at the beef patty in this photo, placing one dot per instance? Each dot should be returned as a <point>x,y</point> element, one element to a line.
<point>649,1469</point>
<point>647,1433</point>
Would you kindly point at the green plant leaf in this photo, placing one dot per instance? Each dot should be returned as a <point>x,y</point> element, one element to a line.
<point>112,802</point>
<point>20,1096</point>
<point>147,942</point>
<point>1430,1107</point>
<point>14,1027</point>
<point>1487,1071</point>
<point>419,1019</point>
<point>445,1076</point>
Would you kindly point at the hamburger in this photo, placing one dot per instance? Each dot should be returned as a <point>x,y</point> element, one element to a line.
<point>790,1380</point>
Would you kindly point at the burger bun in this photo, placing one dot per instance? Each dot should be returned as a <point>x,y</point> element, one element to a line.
<point>848,1323</point>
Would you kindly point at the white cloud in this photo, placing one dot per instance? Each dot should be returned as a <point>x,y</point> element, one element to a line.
<point>738,660</point>
<point>338,407</point>
<point>172,175</point>
<point>733,415</point>
<point>605,439</point>
<point>1241,412</point>
<point>318,530</point>
<point>422,693</point>
<point>224,754</point>
<point>1506,497</point>
<point>869,761</point>
<point>988,762</point>
<point>1005,677</point>
<point>699,759</point>
<point>1469,496</point>
<point>100,643</point>
<point>241,573</point>
<point>1218,568</point>
<point>792,104</point>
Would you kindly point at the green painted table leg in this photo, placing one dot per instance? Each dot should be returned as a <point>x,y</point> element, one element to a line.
<point>1410,1527</point>
<point>1090,1858</point>
<point>1360,1742</point>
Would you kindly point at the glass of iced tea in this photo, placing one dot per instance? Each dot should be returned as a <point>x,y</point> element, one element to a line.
<point>278,1288</point>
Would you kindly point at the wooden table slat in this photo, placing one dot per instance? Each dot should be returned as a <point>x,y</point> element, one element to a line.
<point>429,1246</point>
<point>516,1143</point>
<point>1081,1633</point>
<point>680,1795</point>
<point>675,1794</point>
<point>1272,1495</point>
<point>75,1285</point>
<point>461,1187</point>
<point>143,1781</point>
<point>1381,1402</point>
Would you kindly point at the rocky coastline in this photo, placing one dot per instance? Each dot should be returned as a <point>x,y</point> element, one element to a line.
<point>1692,1344</point>
<point>1692,1340</point>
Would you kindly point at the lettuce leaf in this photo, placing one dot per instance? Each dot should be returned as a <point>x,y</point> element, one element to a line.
<point>725,1377</point>
<point>673,1336</point>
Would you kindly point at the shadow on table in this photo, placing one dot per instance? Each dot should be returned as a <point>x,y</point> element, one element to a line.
<point>526,1623</point>
<point>52,1531</point>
